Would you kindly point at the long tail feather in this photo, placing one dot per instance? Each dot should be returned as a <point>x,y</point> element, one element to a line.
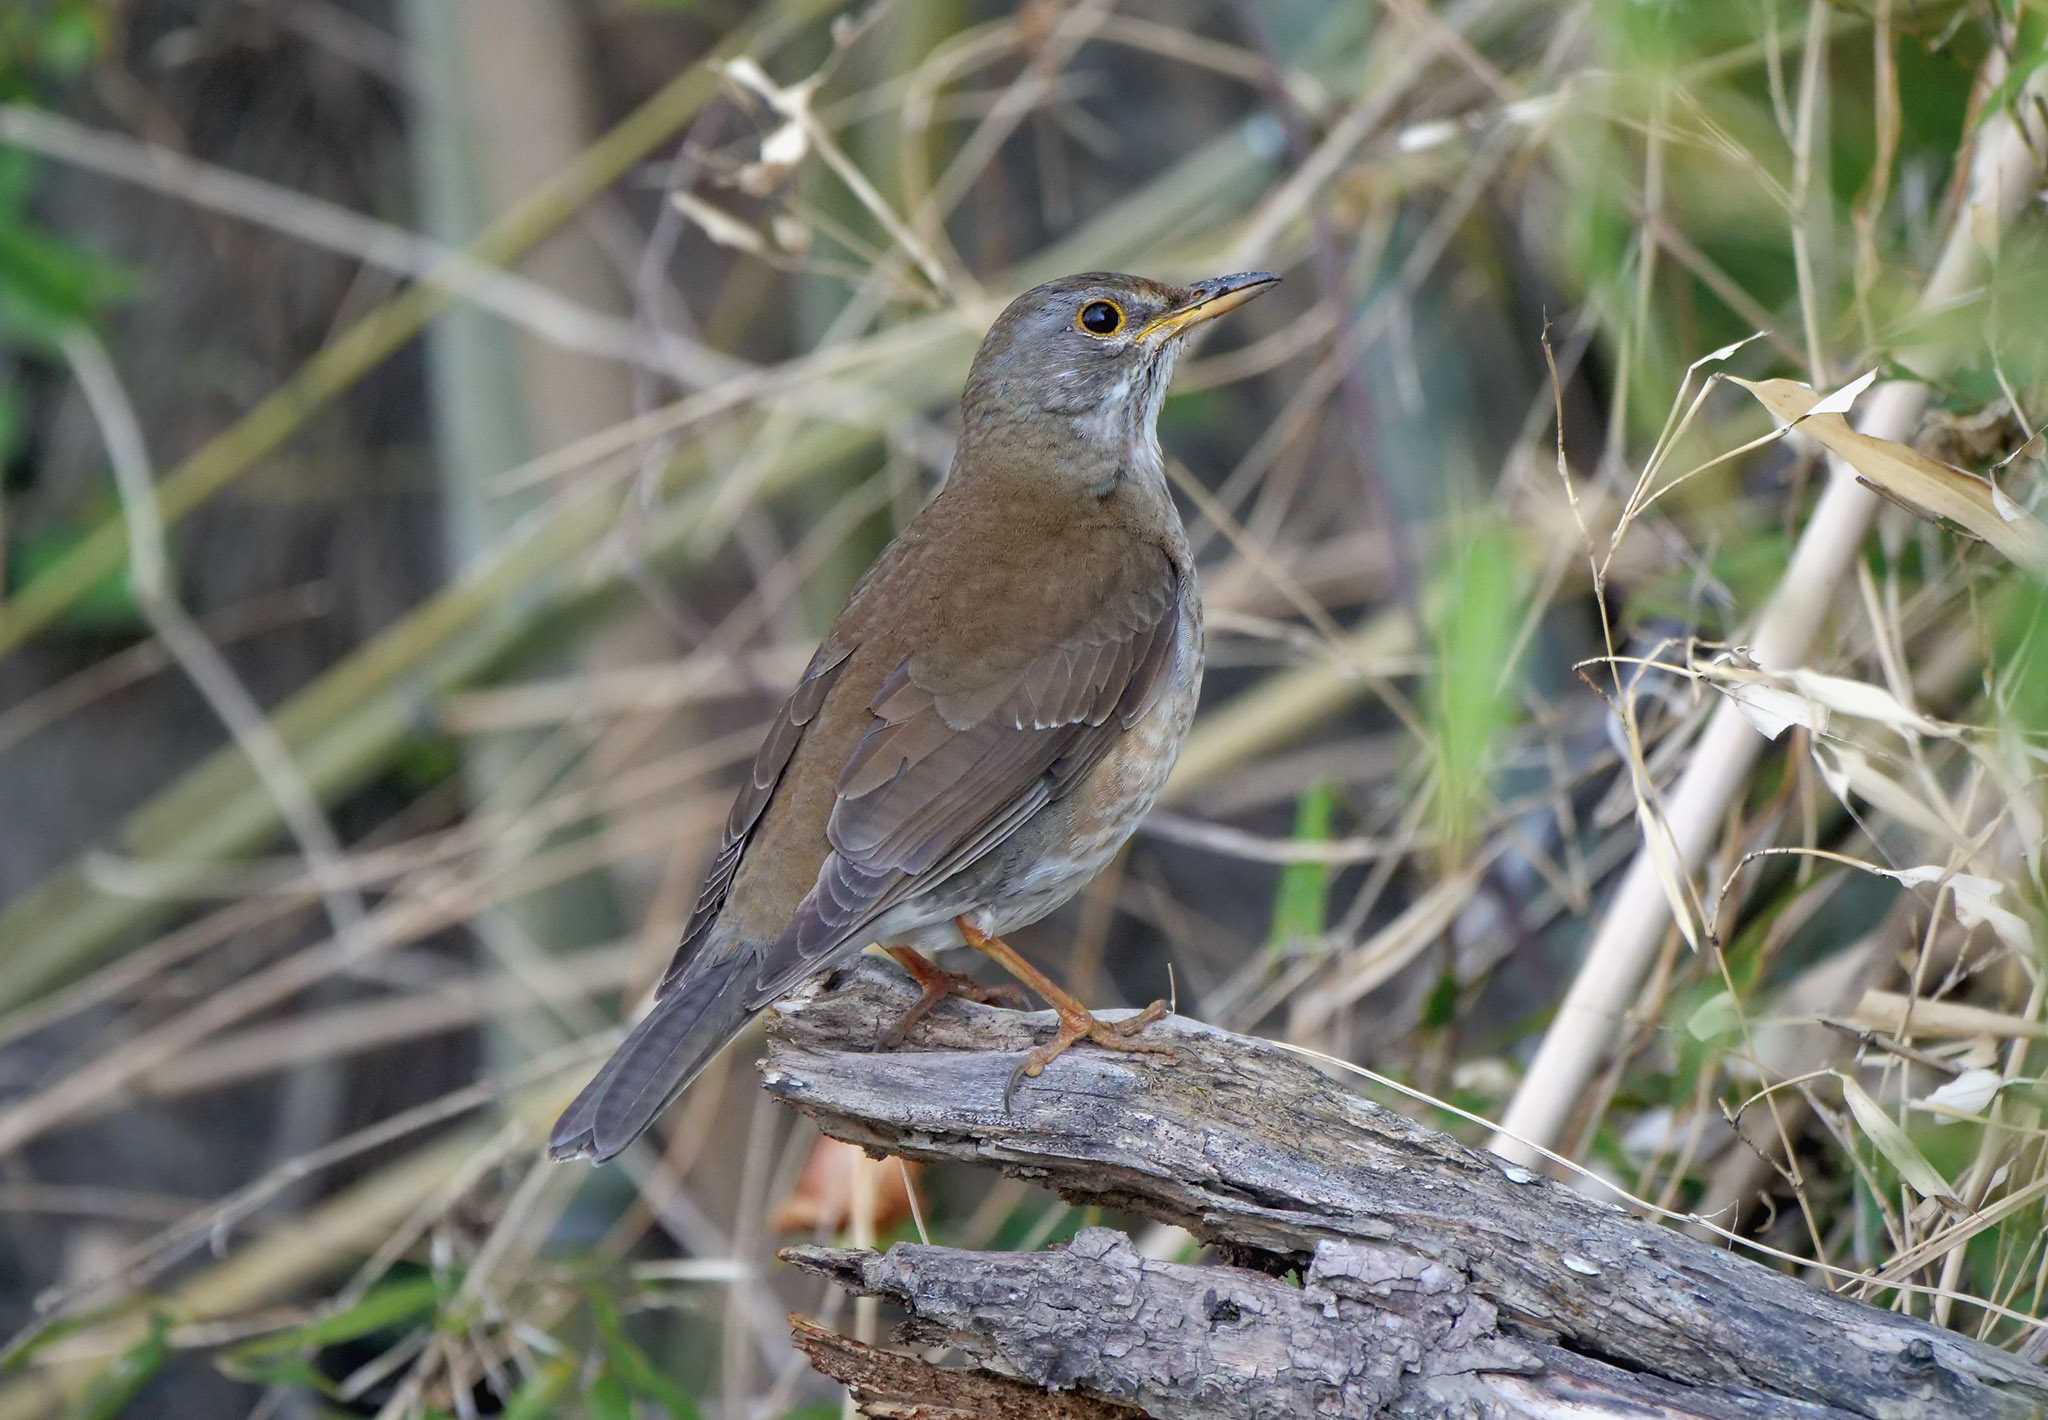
<point>687,1027</point>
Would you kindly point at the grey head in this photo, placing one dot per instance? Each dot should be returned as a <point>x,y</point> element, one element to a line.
<point>1070,377</point>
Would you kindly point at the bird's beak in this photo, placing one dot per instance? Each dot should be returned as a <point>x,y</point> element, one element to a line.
<point>1206,301</point>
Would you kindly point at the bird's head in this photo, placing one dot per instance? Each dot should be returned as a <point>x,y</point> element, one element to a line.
<point>1076,369</point>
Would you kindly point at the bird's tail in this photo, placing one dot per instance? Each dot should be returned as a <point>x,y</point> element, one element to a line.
<point>658,1059</point>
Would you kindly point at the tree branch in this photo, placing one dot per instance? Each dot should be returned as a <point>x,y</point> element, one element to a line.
<point>1433,1277</point>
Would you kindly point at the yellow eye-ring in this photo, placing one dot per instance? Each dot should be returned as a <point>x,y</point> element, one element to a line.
<point>1100,318</point>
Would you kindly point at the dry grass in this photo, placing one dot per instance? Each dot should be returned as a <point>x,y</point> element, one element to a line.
<point>1535,642</point>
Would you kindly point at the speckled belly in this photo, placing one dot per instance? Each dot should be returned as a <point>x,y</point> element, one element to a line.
<point>1066,844</point>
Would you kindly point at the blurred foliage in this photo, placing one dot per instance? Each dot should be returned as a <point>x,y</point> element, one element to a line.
<point>291,1357</point>
<point>44,43</point>
<point>49,281</point>
<point>1479,606</point>
<point>1655,204</point>
<point>114,1389</point>
<point>1301,906</point>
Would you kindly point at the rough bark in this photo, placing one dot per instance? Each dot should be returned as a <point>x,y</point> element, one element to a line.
<point>888,1385</point>
<point>1434,1280</point>
<point>1369,1331</point>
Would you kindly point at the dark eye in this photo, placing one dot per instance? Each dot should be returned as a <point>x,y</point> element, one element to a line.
<point>1101,318</point>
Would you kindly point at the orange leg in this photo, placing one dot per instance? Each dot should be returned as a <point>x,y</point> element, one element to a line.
<point>1076,1023</point>
<point>938,984</point>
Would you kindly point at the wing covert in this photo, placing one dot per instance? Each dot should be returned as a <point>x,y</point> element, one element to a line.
<point>770,761</point>
<point>952,766</point>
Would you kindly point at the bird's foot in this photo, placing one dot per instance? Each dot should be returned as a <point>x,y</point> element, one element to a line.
<point>939,983</point>
<point>1077,1025</point>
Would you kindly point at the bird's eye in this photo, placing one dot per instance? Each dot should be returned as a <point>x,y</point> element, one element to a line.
<point>1101,318</point>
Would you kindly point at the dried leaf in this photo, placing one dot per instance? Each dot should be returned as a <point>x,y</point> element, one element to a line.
<point>722,227</point>
<point>1714,357</point>
<point>1670,869</point>
<point>1772,701</point>
<point>747,73</point>
<point>1898,1149</point>
<point>1976,909</point>
<point>1840,400</point>
<point>1773,711</point>
<point>1866,702</point>
<point>1847,770</point>
<point>786,146</point>
<point>1939,490</point>
<point>1976,900</point>
<point>790,234</point>
<point>781,151</point>
<point>1968,1093</point>
<point>1980,1053</point>
<point>823,1198</point>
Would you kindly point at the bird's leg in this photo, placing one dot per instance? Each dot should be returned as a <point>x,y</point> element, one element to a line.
<point>939,983</point>
<point>1076,1021</point>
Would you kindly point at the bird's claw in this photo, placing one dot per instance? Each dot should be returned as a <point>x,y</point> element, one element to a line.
<point>1110,1035</point>
<point>938,985</point>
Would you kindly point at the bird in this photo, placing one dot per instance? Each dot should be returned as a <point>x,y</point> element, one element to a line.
<point>998,704</point>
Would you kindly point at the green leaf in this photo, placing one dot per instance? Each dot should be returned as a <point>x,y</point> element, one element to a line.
<point>109,1392</point>
<point>108,608</point>
<point>17,175</point>
<point>72,38</point>
<point>426,760</point>
<point>1478,608</point>
<point>1442,1006</point>
<point>46,281</point>
<point>297,1371</point>
<point>53,40</point>
<point>609,1399</point>
<point>1302,902</point>
<point>1898,1149</point>
<point>1714,1017</point>
<point>18,1361</point>
<point>2029,52</point>
<point>1749,567</point>
<point>10,426</point>
<point>281,1358</point>
<point>47,284</point>
<point>540,1397</point>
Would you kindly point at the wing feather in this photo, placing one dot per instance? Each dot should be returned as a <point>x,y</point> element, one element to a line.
<point>766,772</point>
<point>947,772</point>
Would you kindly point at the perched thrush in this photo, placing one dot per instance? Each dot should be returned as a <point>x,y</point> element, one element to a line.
<point>988,719</point>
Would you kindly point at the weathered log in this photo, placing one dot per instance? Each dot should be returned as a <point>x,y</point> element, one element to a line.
<point>1370,1331</point>
<point>1435,1280</point>
<point>888,1385</point>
